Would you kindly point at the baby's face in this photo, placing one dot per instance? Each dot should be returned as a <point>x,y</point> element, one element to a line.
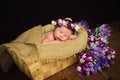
<point>62,33</point>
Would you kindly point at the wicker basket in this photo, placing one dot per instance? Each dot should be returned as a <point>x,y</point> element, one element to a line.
<point>41,70</point>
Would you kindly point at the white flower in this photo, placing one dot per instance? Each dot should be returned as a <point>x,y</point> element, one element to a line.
<point>53,22</point>
<point>64,22</point>
<point>77,28</point>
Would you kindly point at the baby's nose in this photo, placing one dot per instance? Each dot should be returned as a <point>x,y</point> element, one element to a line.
<point>62,35</point>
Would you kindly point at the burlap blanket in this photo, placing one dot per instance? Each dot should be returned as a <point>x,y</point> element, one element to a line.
<point>28,45</point>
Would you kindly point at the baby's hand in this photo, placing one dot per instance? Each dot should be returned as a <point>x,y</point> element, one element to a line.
<point>72,37</point>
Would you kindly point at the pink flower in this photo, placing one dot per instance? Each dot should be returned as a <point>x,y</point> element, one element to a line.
<point>113,56</point>
<point>82,60</point>
<point>90,58</point>
<point>59,20</point>
<point>92,38</point>
<point>97,42</point>
<point>113,52</point>
<point>102,39</point>
<point>109,56</point>
<point>78,69</point>
<point>84,56</point>
<point>104,52</point>
<point>106,49</point>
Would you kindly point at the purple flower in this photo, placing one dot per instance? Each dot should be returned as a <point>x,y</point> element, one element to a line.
<point>96,49</point>
<point>92,70</point>
<point>99,68</point>
<point>87,72</point>
<point>84,24</point>
<point>97,55</point>
<point>90,64</point>
<point>104,30</point>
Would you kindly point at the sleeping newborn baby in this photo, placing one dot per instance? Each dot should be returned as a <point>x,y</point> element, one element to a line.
<point>64,30</point>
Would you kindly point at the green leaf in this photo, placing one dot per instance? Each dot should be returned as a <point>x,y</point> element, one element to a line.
<point>97,32</point>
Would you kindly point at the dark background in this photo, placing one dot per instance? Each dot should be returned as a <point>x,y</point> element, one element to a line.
<point>18,16</point>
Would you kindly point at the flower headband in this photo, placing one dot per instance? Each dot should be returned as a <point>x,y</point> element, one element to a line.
<point>67,22</point>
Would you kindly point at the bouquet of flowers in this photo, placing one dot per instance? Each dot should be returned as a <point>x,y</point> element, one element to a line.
<point>98,55</point>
